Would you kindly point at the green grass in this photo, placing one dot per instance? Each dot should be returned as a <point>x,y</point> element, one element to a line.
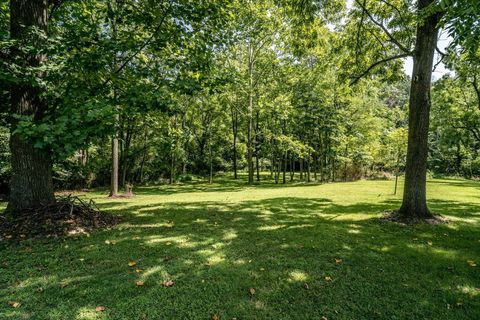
<point>218,241</point>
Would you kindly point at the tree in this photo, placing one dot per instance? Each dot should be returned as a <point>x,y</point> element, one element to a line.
<point>31,183</point>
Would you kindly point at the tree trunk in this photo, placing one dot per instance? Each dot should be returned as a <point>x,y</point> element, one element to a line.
<point>308,168</point>
<point>292,166</point>
<point>257,146</point>
<point>414,203</point>
<point>126,150</point>
<point>31,182</point>
<point>234,130</point>
<point>250,116</point>
<point>114,182</point>
<point>301,168</point>
<point>144,156</point>
<point>210,177</point>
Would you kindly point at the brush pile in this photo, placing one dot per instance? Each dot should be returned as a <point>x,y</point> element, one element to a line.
<point>68,215</point>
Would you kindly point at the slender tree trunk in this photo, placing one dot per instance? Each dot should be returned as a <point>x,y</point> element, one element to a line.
<point>114,182</point>
<point>272,165</point>
<point>171,180</point>
<point>234,131</point>
<point>414,203</point>
<point>257,145</point>
<point>308,169</point>
<point>292,166</point>
<point>31,182</point>
<point>114,174</point>
<point>144,156</point>
<point>301,168</point>
<point>126,156</point>
<point>210,177</point>
<point>397,167</point>
<point>250,115</point>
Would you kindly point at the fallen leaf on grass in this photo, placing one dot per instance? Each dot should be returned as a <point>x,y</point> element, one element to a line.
<point>63,285</point>
<point>338,260</point>
<point>323,318</point>
<point>252,291</point>
<point>327,278</point>
<point>471,263</point>
<point>430,243</point>
<point>14,304</point>
<point>140,283</point>
<point>100,309</point>
<point>132,263</point>
<point>138,270</point>
<point>168,283</point>
<point>215,317</point>
<point>306,286</point>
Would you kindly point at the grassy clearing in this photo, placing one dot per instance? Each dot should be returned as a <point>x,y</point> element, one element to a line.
<point>218,241</point>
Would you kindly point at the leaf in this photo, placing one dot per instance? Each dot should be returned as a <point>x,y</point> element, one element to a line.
<point>252,291</point>
<point>100,309</point>
<point>338,260</point>
<point>132,263</point>
<point>138,270</point>
<point>140,283</point>
<point>323,318</point>
<point>327,278</point>
<point>215,317</point>
<point>306,286</point>
<point>14,304</point>
<point>471,263</point>
<point>168,283</point>
<point>63,285</point>
<point>430,243</point>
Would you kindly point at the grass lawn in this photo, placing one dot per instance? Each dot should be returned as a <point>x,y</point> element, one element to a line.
<point>218,241</point>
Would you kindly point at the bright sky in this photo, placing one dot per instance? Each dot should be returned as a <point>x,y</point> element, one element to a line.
<point>443,42</point>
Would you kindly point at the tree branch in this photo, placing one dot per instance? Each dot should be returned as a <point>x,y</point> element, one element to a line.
<point>389,35</point>
<point>357,78</point>
<point>143,46</point>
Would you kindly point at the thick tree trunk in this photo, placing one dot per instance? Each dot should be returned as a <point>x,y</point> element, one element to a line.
<point>31,182</point>
<point>414,203</point>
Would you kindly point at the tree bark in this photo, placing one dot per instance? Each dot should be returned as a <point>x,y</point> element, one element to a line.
<point>250,115</point>
<point>414,205</point>
<point>114,177</point>
<point>31,182</point>
<point>234,130</point>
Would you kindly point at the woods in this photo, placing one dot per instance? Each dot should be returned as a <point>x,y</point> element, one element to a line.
<point>238,159</point>
<point>204,88</point>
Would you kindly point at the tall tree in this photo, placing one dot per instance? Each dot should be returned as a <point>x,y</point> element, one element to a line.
<point>31,183</point>
<point>414,204</point>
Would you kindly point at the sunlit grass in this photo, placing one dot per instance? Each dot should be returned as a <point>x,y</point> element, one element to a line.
<point>218,241</point>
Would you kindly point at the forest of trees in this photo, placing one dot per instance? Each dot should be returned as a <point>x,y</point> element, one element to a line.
<point>113,93</point>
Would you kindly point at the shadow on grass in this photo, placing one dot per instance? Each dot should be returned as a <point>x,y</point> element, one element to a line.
<point>216,251</point>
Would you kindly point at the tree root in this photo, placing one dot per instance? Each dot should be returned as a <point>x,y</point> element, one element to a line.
<point>68,215</point>
<point>396,217</point>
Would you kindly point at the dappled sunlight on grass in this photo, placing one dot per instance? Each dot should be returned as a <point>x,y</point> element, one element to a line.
<point>297,275</point>
<point>219,241</point>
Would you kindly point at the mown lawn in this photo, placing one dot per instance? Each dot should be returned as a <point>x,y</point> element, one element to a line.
<point>217,242</point>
